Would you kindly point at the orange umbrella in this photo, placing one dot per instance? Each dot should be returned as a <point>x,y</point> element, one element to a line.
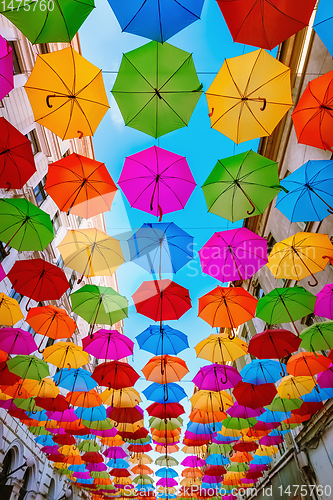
<point>84,399</point>
<point>168,433</point>
<point>141,469</point>
<point>166,450</point>
<point>17,391</point>
<point>307,364</point>
<point>227,307</point>
<point>207,417</point>
<point>192,472</point>
<point>166,440</point>
<point>241,456</point>
<point>112,441</point>
<point>165,369</point>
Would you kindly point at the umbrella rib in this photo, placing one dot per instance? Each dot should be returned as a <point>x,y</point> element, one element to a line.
<point>176,71</point>
<point>139,72</point>
<point>270,81</point>
<point>137,114</point>
<point>135,15</point>
<point>54,71</point>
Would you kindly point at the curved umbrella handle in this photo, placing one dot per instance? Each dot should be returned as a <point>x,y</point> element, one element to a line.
<point>160,212</point>
<point>48,104</point>
<point>9,186</point>
<point>315,283</point>
<point>80,280</point>
<point>166,392</point>
<point>211,113</point>
<point>80,134</point>
<point>264,105</point>
<point>250,212</point>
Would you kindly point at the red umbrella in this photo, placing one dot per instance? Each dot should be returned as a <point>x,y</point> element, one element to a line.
<point>38,280</point>
<point>58,403</point>
<point>7,378</point>
<point>142,448</point>
<point>162,300</point>
<point>166,410</point>
<point>254,396</point>
<point>139,434</point>
<point>92,457</point>
<point>245,446</point>
<point>115,375</point>
<point>119,473</point>
<point>125,415</point>
<point>17,162</point>
<point>215,470</point>
<point>308,409</point>
<point>265,23</point>
<point>273,344</point>
<point>56,457</point>
<point>64,439</point>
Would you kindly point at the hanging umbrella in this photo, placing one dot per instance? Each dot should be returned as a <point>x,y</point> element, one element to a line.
<point>67,94</point>
<point>17,162</point>
<point>166,461</point>
<point>263,371</point>
<point>10,312</point>
<point>38,280</point>
<point>219,348</point>
<point>227,307</point>
<point>6,71</point>
<point>238,423</point>
<point>312,116</point>
<point>300,256</point>
<point>44,388</point>
<point>309,195</point>
<point>216,377</point>
<point>108,344</point>
<point>324,379</point>
<point>166,410</point>
<point>164,369</point>
<point>23,225</point>
<point>126,397</point>
<point>316,337</point>
<point>164,340</point>
<point>28,367</point>
<point>232,255</point>
<point>249,96</point>
<point>284,405</point>
<point>164,393</point>
<point>115,375</point>
<point>323,24</point>
<point>266,23</point>
<point>157,88</point>
<point>324,303</point>
<point>16,341</point>
<point>307,364</point>
<point>275,343</point>
<point>75,380</point>
<point>207,417</point>
<point>99,304</point>
<point>65,354</point>
<point>254,396</point>
<point>294,387</point>
<point>211,401</point>
<point>58,403</point>
<point>88,399</point>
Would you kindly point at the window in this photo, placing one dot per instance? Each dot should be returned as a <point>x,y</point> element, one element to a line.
<point>32,136</point>
<point>60,262</point>
<point>49,342</point>
<point>56,222</point>
<point>71,281</point>
<point>44,48</point>
<point>15,295</point>
<point>17,65</point>
<point>39,191</point>
<point>66,153</point>
<point>270,243</point>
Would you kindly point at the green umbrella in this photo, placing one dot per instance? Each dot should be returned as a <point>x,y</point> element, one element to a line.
<point>317,337</point>
<point>101,425</point>
<point>47,21</point>
<point>101,475</point>
<point>29,404</point>
<point>110,487</point>
<point>279,404</point>
<point>88,445</point>
<point>67,472</point>
<point>284,305</point>
<point>39,431</point>
<point>99,304</point>
<point>219,449</point>
<point>23,225</point>
<point>28,367</point>
<point>169,425</point>
<point>239,467</point>
<point>238,423</point>
<point>166,461</point>
<point>138,441</point>
<point>143,479</point>
<point>241,185</point>
<point>157,88</point>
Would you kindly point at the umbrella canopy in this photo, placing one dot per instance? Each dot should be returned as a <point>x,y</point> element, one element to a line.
<point>88,399</point>
<point>44,388</point>
<point>164,393</point>
<point>164,340</point>
<point>312,116</point>
<point>6,69</point>
<point>216,377</point>
<point>17,162</point>
<point>75,380</point>
<point>300,255</point>
<point>161,300</point>
<point>58,24</point>
<point>275,343</point>
<point>307,364</point>
<point>51,321</point>
<point>164,369</point>
<point>115,375</point>
<point>232,255</point>
<point>67,94</point>
<point>28,367</point>
<point>254,396</point>
<point>23,225</point>
<point>249,96</point>
<point>211,400</point>
<point>157,88</point>
<point>65,354</point>
<point>108,344</point>
<point>166,461</point>
<point>121,398</point>
<point>266,23</point>
<point>10,312</point>
<point>324,302</point>
<point>316,337</point>
<point>16,341</point>
<point>263,371</point>
<point>155,20</point>
<point>219,348</point>
<point>157,181</point>
<point>323,24</point>
<point>292,387</point>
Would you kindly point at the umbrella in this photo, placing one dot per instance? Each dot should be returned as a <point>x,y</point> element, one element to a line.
<point>16,341</point>
<point>266,23</point>
<point>294,387</point>
<point>314,396</point>
<point>263,371</point>
<point>164,393</point>
<point>155,20</point>
<point>324,303</point>
<point>17,162</point>
<point>164,369</point>
<point>307,364</point>
<point>216,377</point>
<point>249,96</point>
<point>38,279</point>
<point>67,94</point>
<point>161,247</point>
<point>323,24</point>
<point>164,340</point>
<point>6,70</point>
<point>211,401</point>
<point>28,367</point>
<point>275,343</point>
<point>254,396</point>
<point>99,304</point>
<point>75,380</point>
<point>325,378</point>
<point>157,88</point>
<point>157,181</point>
<point>121,398</point>
<point>58,22</point>
<point>207,417</point>
<point>309,195</point>
<point>316,337</point>
<point>193,461</point>
<point>238,423</point>
<point>65,354</point>
<point>23,225</point>
<point>115,375</point>
<point>166,461</point>
<point>227,307</point>
<point>312,116</point>
<point>44,388</point>
<point>284,405</point>
<point>219,348</point>
<point>300,256</point>
<point>88,399</point>
<point>10,312</point>
<point>241,185</point>
<point>232,255</point>
<point>161,300</point>
<point>108,344</point>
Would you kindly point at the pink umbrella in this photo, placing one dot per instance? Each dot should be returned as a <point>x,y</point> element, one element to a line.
<point>324,303</point>
<point>108,344</point>
<point>240,411</point>
<point>193,461</point>
<point>6,68</point>
<point>167,481</point>
<point>106,433</point>
<point>216,377</point>
<point>62,416</point>
<point>212,479</point>
<point>156,181</point>
<point>2,273</point>
<point>50,450</point>
<point>325,378</point>
<point>233,255</point>
<point>271,440</point>
<point>16,341</point>
<point>96,467</point>
<point>115,452</point>
<point>81,475</point>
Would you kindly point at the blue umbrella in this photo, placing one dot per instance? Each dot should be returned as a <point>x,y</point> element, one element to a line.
<point>118,463</point>
<point>323,24</point>
<point>197,428</point>
<point>86,481</point>
<point>208,486</point>
<point>44,440</point>
<point>220,439</point>
<point>38,415</point>
<point>275,432</point>
<point>162,340</point>
<point>78,468</point>
<point>261,460</point>
<point>91,414</point>
<point>166,472</point>
<point>216,459</point>
<point>310,196</point>
<point>161,247</point>
<point>317,396</point>
<point>167,496</point>
<point>166,393</point>
<point>273,416</point>
<point>75,380</point>
<point>144,487</point>
<point>154,19</point>
<point>262,371</point>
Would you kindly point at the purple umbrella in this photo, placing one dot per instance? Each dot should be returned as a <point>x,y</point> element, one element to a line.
<point>54,450</point>
<point>2,273</point>
<point>96,467</point>
<point>249,481</point>
<point>106,433</point>
<point>271,440</point>
<point>115,452</point>
<point>239,411</point>
<point>229,497</point>
<point>81,475</point>
<point>156,181</point>
<point>193,461</point>
<point>6,68</point>
<point>325,379</point>
<point>233,255</point>
<point>257,467</point>
<point>212,479</point>
<point>108,344</point>
<point>62,416</point>
<point>324,303</point>
<point>167,481</point>
<point>16,341</point>
<point>59,431</point>
<point>216,377</point>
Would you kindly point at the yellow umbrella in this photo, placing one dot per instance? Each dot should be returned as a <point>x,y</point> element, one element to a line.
<point>300,255</point>
<point>121,398</point>
<point>69,450</point>
<point>91,252</point>
<point>211,400</point>
<point>266,450</point>
<point>4,396</point>
<point>190,482</point>
<point>194,450</point>
<point>122,480</point>
<point>294,387</point>
<point>230,432</point>
<point>128,427</point>
<point>219,348</point>
<point>67,93</point>
<point>45,388</point>
<point>249,96</point>
<point>66,355</point>
<point>10,312</point>
<point>142,459</point>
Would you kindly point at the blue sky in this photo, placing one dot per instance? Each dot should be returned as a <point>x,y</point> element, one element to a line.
<point>210,42</point>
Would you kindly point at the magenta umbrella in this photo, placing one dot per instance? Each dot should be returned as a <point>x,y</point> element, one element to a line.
<point>50,450</point>
<point>167,481</point>
<point>106,433</point>
<point>233,255</point>
<point>240,411</point>
<point>81,475</point>
<point>62,416</point>
<point>6,68</point>
<point>193,461</point>
<point>16,341</point>
<point>108,344</point>
<point>96,467</point>
<point>325,378</point>
<point>212,479</point>
<point>271,440</point>
<point>324,303</point>
<point>216,377</point>
<point>115,452</point>
<point>157,181</point>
